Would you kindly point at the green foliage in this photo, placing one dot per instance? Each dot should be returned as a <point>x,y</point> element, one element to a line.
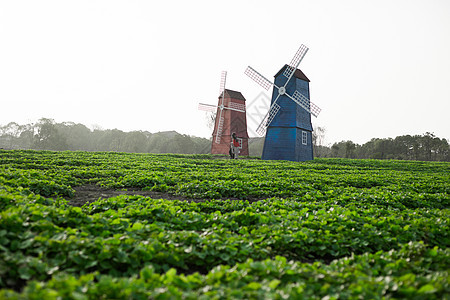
<point>425,147</point>
<point>46,134</point>
<point>410,272</point>
<point>331,228</point>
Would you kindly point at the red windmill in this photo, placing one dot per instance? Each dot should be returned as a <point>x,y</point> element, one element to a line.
<point>230,118</point>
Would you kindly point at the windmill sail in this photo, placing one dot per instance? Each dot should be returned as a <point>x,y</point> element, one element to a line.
<point>301,52</point>
<point>207,107</point>
<point>223,81</point>
<point>267,119</point>
<point>236,107</point>
<point>258,78</point>
<point>212,108</point>
<point>304,102</point>
<point>219,128</point>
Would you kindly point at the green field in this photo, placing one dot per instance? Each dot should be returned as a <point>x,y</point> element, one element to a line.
<point>202,227</point>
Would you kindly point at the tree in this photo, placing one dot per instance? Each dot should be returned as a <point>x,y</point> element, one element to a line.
<point>48,137</point>
<point>26,139</point>
<point>346,149</point>
<point>135,142</point>
<point>443,151</point>
<point>110,140</point>
<point>350,148</point>
<point>77,135</point>
<point>318,139</point>
<point>403,147</point>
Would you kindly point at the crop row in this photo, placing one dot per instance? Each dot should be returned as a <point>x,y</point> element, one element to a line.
<point>118,235</point>
<point>56,174</point>
<point>413,271</point>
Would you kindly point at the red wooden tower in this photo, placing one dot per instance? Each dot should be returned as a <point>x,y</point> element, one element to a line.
<point>230,120</point>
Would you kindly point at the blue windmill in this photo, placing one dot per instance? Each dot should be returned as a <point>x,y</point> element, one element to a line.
<point>287,124</point>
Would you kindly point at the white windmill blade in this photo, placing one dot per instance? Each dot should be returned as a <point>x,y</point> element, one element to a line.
<point>304,102</point>
<point>301,52</point>
<point>268,118</point>
<point>261,130</point>
<point>258,78</point>
<point>236,106</point>
<point>234,109</point>
<point>223,80</point>
<point>219,127</point>
<point>233,106</point>
<point>272,113</point>
<point>207,107</point>
<point>274,108</point>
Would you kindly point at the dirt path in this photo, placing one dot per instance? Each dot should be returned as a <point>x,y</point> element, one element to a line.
<point>90,193</point>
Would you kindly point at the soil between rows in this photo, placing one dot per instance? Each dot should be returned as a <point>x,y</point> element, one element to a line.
<point>90,193</point>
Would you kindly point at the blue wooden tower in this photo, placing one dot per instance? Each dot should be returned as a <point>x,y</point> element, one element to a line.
<point>288,122</point>
<point>289,135</point>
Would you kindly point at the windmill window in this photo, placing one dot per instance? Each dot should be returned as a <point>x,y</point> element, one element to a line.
<point>304,138</point>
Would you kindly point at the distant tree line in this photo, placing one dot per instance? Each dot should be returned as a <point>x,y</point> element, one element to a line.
<point>425,147</point>
<point>46,134</point>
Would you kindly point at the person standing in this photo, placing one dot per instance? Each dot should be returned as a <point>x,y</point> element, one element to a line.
<point>234,147</point>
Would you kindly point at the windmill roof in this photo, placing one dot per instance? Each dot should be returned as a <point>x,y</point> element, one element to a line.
<point>234,94</point>
<point>298,73</point>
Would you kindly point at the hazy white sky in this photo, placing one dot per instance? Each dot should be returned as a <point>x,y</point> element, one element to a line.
<point>377,68</point>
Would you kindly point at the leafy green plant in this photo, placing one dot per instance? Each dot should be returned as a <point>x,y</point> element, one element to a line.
<point>244,229</point>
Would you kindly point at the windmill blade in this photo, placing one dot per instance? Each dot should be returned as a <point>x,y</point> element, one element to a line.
<point>219,127</point>
<point>223,80</point>
<point>236,107</point>
<point>258,78</point>
<point>207,107</point>
<point>268,118</point>
<point>274,108</point>
<point>261,130</point>
<point>301,52</point>
<point>304,102</point>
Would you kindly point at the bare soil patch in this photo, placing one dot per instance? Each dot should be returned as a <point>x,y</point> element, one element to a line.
<point>90,193</point>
